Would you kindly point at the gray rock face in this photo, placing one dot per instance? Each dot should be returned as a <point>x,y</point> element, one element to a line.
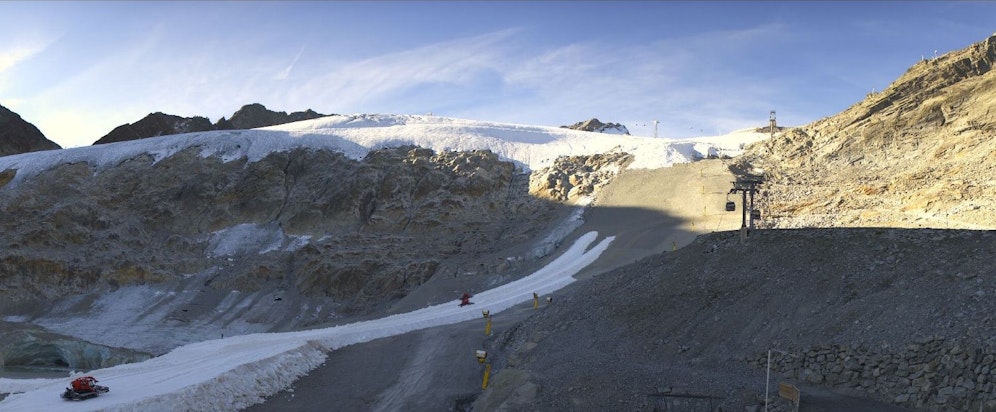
<point>18,136</point>
<point>415,205</point>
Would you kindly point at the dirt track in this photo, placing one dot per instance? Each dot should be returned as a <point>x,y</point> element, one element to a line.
<point>654,211</point>
<point>429,370</point>
<point>649,212</point>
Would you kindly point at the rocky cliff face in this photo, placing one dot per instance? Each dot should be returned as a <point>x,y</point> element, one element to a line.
<point>74,229</point>
<point>917,154</point>
<point>249,116</point>
<point>19,136</point>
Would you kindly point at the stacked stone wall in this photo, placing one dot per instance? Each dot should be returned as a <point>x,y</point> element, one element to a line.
<point>936,374</point>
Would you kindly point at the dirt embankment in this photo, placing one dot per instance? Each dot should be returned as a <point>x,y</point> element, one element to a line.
<point>697,321</point>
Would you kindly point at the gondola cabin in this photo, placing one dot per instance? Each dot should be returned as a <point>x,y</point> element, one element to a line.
<point>731,206</point>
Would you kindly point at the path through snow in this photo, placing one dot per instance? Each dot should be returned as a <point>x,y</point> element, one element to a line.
<point>236,372</point>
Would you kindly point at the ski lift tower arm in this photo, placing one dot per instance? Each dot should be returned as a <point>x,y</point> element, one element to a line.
<point>747,184</point>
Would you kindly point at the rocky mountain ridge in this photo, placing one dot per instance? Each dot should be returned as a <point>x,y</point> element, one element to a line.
<point>918,154</point>
<point>18,136</point>
<point>594,125</point>
<point>249,116</point>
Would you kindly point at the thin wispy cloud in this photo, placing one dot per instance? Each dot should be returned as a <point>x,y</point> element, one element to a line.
<point>456,62</point>
<point>695,67</point>
<point>10,58</point>
<point>284,74</point>
<point>15,51</point>
<point>672,80</point>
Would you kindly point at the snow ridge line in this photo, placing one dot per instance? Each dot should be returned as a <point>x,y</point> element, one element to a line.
<point>231,390</point>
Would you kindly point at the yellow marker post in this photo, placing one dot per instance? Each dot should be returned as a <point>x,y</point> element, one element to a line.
<point>487,325</point>
<point>674,246</point>
<point>487,373</point>
<point>535,301</point>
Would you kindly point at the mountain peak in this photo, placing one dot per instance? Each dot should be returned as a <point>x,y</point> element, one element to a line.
<point>594,125</point>
<point>250,116</point>
<point>156,124</point>
<point>18,136</point>
<point>255,115</point>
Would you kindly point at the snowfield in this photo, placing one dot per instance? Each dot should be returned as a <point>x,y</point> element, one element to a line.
<point>530,147</point>
<point>236,372</point>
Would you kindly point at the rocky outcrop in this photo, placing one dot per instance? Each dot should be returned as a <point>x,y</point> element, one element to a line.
<point>917,154</point>
<point>249,116</point>
<point>360,233</point>
<point>573,178</point>
<point>19,136</point>
<point>256,115</point>
<point>156,124</point>
<point>593,125</point>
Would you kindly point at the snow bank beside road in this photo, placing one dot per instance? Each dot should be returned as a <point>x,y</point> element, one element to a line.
<point>236,372</point>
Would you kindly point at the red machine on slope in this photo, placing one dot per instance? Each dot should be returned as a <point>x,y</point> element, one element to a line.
<point>82,388</point>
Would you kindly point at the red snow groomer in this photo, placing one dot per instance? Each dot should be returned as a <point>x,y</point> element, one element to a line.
<point>82,388</point>
<point>465,299</point>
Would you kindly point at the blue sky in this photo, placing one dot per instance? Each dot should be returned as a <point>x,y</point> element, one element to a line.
<point>78,69</point>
